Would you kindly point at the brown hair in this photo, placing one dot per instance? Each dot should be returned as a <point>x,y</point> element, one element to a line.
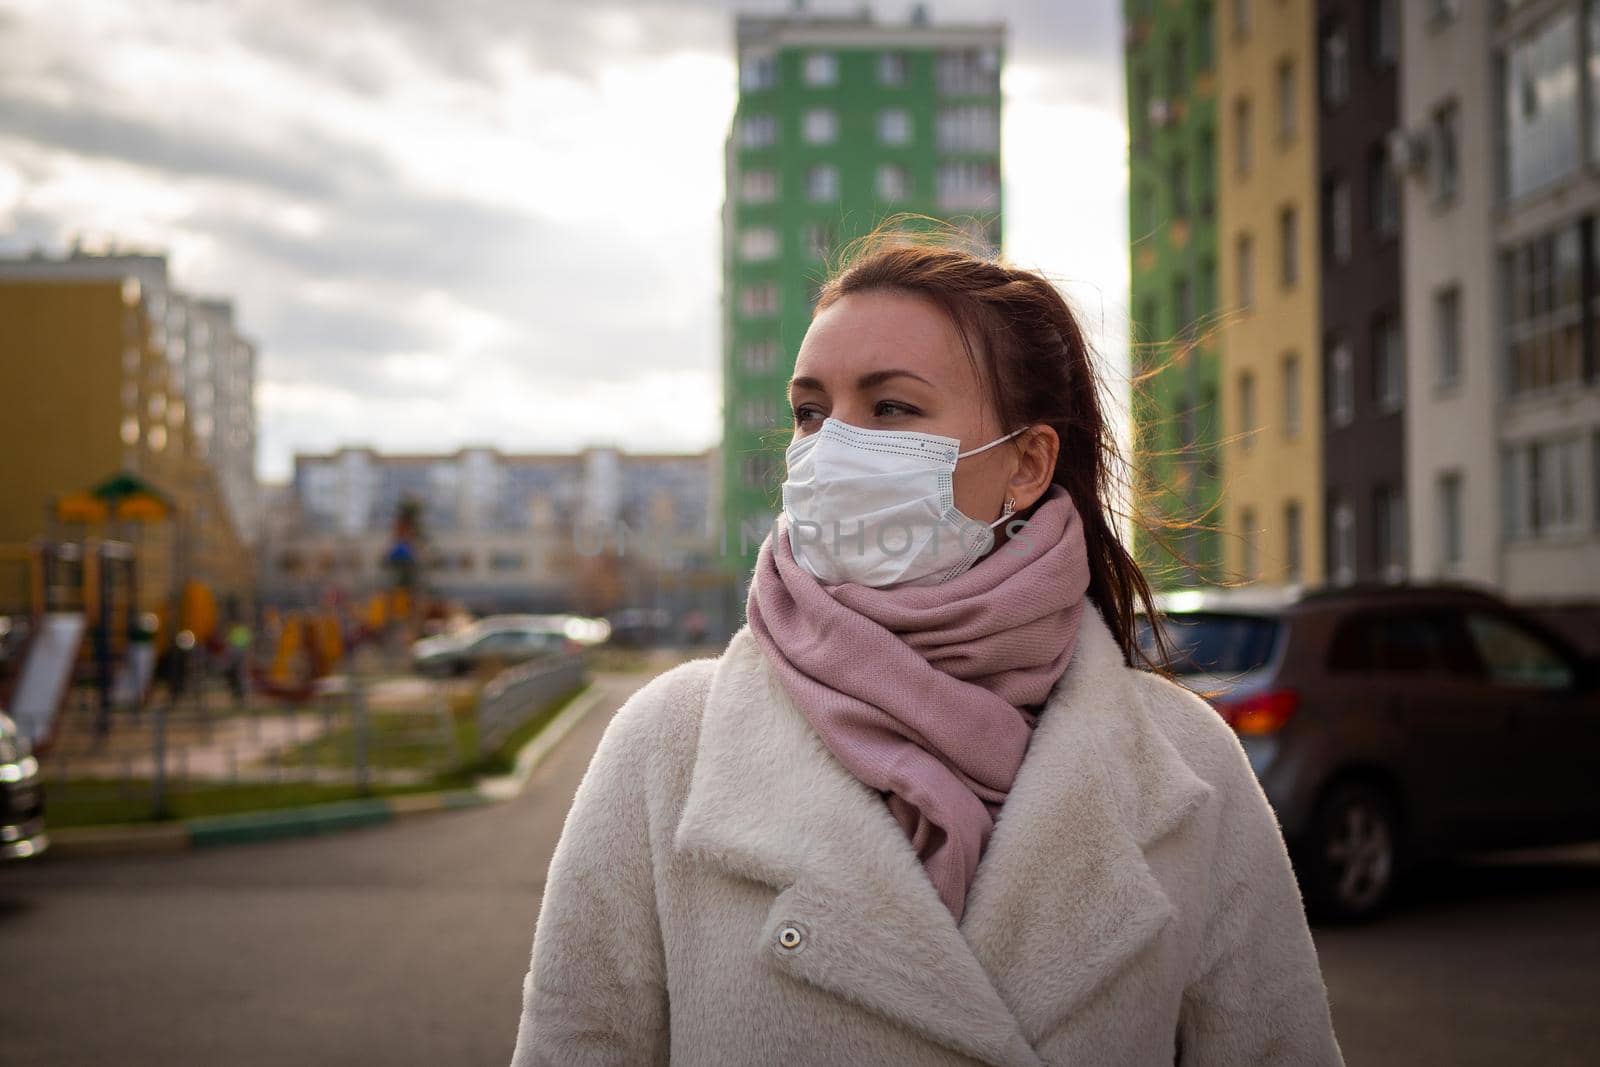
<point>1038,368</point>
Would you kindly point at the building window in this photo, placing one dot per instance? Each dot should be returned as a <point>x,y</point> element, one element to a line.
<point>822,69</point>
<point>1291,395</point>
<point>758,186</point>
<point>1241,18</point>
<point>758,413</point>
<point>1245,266</point>
<point>1447,336</point>
<point>1204,37</point>
<point>894,184</point>
<point>757,71</point>
<point>1445,165</point>
<point>1442,11</point>
<point>894,127</point>
<point>760,298</point>
<point>1341,382</point>
<point>1388,364</point>
<point>1543,280</point>
<point>758,244</point>
<point>507,561</point>
<point>1250,563</point>
<point>967,185</point>
<point>1183,305</point>
<point>1177,66</point>
<point>1389,532</point>
<point>758,131</point>
<point>1241,137</point>
<point>1206,167</point>
<point>817,239</point>
<point>1540,105</point>
<point>1336,217</point>
<point>759,357</point>
<point>1143,210</point>
<point>1139,102</point>
<point>1383,32</point>
<point>1341,541</point>
<point>821,126</point>
<point>1247,410</point>
<point>1335,49</point>
<point>1383,194</point>
<point>1292,547</point>
<point>967,72</point>
<point>1178,186</point>
<point>1450,530</point>
<point>1592,75</point>
<point>1540,480</point>
<point>892,69</point>
<point>1287,102</point>
<point>758,471</point>
<point>968,129</point>
<point>1288,247</point>
<point>822,183</point>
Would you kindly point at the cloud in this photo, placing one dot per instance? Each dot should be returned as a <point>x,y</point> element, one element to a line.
<point>491,221</point>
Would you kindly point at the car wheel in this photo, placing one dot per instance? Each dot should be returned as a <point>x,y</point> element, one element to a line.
<point>1354,853</point>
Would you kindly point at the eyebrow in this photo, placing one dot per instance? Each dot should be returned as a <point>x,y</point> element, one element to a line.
<point>866,381</point>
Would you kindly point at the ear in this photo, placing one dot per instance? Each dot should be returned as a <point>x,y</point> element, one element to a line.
<point>1036,454</point>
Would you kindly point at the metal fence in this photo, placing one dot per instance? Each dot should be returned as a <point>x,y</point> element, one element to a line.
<point>515,695</point>
<point>356,733</point>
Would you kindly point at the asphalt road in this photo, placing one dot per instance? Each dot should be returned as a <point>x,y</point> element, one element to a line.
<point>406,944</point>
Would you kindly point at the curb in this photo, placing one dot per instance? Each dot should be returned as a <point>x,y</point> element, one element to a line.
<point>249,827</point>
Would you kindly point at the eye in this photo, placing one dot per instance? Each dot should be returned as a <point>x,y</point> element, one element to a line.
<point>891,409</point>
<point>806,414</point>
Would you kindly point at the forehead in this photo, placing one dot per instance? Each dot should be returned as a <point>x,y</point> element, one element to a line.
<point>863,332</point>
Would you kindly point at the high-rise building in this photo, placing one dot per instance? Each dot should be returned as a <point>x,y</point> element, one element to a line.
<point>1546,58</point>
<point>210,362</point>
<point>1448,177</point>
<point>95,384</point>
<point>841,123</point>
<point>1267,237</point>
<point>1172,123</point>
<point>1361,355</point>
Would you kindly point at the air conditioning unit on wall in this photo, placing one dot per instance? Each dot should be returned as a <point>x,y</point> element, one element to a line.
<point>1408,151</point>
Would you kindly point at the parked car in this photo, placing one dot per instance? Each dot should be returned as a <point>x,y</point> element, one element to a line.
<point>497,640</point>
<point>22,831</point>
<point>1389,725</point>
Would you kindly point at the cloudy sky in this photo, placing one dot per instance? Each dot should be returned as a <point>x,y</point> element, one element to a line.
<point>488,221</point>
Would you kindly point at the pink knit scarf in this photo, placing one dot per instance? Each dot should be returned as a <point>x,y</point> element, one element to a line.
<point>926,693</point>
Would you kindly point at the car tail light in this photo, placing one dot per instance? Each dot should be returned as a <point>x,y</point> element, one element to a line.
<point>1259,713</point>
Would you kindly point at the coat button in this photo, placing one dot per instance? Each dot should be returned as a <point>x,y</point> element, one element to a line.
<point>789,937</point>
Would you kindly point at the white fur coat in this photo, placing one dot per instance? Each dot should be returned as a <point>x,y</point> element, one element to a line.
<point>725,893</point>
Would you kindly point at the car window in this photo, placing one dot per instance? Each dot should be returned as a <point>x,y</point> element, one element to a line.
<point>1394,642</point>
<point>1517,657</point>
<point>1214,642</point>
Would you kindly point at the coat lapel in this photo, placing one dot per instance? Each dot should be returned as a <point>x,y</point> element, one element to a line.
<point>768,802</point>
<point>1100,786</point>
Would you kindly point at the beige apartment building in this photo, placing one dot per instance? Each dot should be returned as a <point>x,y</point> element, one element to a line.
<point>1267,241</point>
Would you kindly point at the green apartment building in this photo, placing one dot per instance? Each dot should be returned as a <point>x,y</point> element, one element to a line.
<point>1172,208</point>
<point>841,122</point>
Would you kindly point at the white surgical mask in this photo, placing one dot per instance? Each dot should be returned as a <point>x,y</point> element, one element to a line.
<point>877,507</point>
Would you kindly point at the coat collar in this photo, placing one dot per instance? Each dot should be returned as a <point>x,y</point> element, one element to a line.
<point>1100,784</point>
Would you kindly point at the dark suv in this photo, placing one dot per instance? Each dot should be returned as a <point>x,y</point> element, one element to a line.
<point>1395,724</point>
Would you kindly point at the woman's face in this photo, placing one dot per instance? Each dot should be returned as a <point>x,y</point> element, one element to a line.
<point>889,360</point>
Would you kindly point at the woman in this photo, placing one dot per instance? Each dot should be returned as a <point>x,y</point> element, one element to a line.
<point>923,810</point>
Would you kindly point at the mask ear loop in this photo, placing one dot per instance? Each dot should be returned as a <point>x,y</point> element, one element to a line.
<point>991,444</point>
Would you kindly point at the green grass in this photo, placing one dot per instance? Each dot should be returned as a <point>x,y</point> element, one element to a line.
<point>99,802</point>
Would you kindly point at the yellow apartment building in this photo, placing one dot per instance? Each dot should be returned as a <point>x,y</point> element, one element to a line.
<point>88,391</point>
<point>1267,253</point>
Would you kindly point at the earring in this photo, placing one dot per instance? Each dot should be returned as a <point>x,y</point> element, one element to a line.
<point>1011,506</point>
